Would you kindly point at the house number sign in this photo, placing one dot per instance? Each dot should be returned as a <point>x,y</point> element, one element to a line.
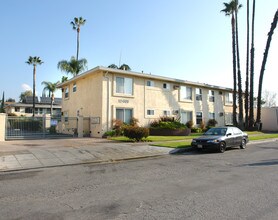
<point>123,101</point>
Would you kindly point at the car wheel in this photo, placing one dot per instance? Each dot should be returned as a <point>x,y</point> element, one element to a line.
<point>243,144</point>
<point>222,147</point>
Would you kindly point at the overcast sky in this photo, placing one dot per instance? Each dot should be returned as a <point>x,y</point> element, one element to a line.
<point>183,39</point>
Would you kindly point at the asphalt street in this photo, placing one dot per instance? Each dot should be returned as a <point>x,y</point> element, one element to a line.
<point>239,184</point>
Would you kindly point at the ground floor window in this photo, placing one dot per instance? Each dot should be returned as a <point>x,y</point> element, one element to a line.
<point>186,116</point>
<point>124,114</point>
<point>211,115</point>
<point>199,118</point>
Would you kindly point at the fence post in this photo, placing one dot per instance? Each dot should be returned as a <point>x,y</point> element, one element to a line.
<point>2,126</point>
<point>80,126</point>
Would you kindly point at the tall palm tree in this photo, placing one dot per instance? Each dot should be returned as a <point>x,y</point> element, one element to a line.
<point>73,66</point>
<point>247,69</point>
<point>76,24</point>
<point>236,7</point>
<point>34,61</point>
<point>272,28</point>
<point>229,11</point>
<point>51,88</point>
<point>252,60</point>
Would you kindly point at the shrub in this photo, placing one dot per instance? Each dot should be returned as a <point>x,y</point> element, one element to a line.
<point>196,130</point>
<point>189,124</point>
<point>203,126</point>
<point>136,133</point>
<point>52,129</point>
<point>167,123</point>
<point>118,127</point>
<point>111,133</point>
<point>212,123</point>
<point>134,122</point>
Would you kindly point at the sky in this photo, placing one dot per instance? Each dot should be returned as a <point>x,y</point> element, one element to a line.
<point>182,39</point>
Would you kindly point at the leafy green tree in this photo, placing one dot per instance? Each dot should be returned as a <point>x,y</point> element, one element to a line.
<point>270,34</point>
<point>76,24</point>
<point>34,61</point>
<point>73,66</point>
<point>64,79</point>
<point>122,67</point>
<point>23,95</point>
<point>51,88</point>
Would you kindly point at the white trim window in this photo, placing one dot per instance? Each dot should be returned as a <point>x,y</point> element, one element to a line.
<point>124,114</point>
<point>228,98</point>
<point>198,92</point>
<point>186,116</point>
<point>166,86</point>
<point>124,85</point>
<point>211,96</point>
<point>199,118</point>
<point>66,92</point>
<point>166,113</point>
<point>185,93</point>
<point>150,112</point>
<point>150,83</point>
<point>211,115</point>
<point>74,87</point>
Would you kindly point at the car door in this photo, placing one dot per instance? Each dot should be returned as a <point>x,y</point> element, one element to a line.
<point>229,137</point>
<point>238,137</point>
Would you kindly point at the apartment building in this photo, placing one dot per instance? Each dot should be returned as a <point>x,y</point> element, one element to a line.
<point>105,94</point>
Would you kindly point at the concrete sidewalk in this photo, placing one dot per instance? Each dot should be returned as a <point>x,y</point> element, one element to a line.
<point>29,154</point>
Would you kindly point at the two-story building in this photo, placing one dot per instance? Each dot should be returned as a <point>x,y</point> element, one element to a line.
<point>109,94</point>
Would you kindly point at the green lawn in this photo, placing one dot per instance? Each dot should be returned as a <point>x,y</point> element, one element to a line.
<point>185,141</point>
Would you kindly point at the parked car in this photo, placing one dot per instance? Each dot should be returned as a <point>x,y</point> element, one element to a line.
<point>220,138</point>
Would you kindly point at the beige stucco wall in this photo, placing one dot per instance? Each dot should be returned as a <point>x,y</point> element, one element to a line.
<point>269,119</point>
<point>2,126</point>
<point>96,97</point>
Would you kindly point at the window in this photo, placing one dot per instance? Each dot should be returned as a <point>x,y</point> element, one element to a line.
<point>124,85</point>
<point>150,83</point>
<point>166,113</point>
<point>150,112</point>
<point>66,116</point>
<point>211,115</point>
<point>237,131</point>
<point>185,93</point>
<point>228,98</point>
<point>74,87</point>
<point>186,116</point>
<point>17,109</point>
<point>228,118</point>
<point>198,94</point>
<point>124,115</point>
<point>28,110</point>
<point>166,86</point>
<point>199,118</point>
<point>67,92</point>
<point>211,95</point>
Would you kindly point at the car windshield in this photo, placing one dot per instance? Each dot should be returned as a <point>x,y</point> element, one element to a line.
<point>216,131</point>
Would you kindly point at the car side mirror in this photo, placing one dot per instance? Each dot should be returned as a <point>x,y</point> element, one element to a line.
<point>229,134</point>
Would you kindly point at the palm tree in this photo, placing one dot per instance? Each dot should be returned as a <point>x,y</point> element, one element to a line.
<point>247,70</point>
<point>76,24</point>
<point>229,11</point>
<point>34,61</point>
<point>2,110</point>
<point>252,58</point>
<point>236,7</point>
<point>51,88</point>
<point>272,28</point>
<point>73,66</point>
<point>23,95</point>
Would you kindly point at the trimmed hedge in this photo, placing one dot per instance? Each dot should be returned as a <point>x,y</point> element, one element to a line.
<point>136,133</point>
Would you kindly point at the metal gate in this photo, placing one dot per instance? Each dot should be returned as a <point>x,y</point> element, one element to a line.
<point>40,127</point>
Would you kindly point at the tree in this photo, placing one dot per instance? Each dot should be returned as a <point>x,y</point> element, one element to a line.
<point>51,88</point>
<point>2,110</point>
<point>34,61</point>
<point>64,79</point>
<point>23,95</point>
<point>272,28</point>
<point>76,24</point>
<point>73,66</point>
<point>236,7</point>
<point>247,69</point>
<point>10,100</point>
<point>229,11</point>
<point>268,99</point>
<point>252,60</point>
<point>122,67</point>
